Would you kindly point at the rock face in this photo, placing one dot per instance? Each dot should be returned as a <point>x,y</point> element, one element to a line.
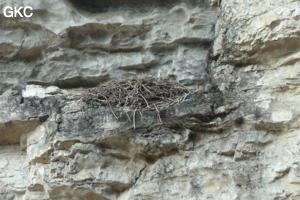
<point>82,43</point>
<point>236,137</point>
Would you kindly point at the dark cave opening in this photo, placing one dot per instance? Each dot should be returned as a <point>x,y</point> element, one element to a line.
<point>97,6</point>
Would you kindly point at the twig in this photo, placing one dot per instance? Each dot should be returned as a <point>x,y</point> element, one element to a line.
<point>138,95</point>
<point>134,119</point>
<point>145,100</point>
<point>158,114</point>
<point>112,111</point>
<point>128,116</point>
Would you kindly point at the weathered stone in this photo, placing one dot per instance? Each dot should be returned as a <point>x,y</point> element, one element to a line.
<point>65,46</point>
<point>235,137</point>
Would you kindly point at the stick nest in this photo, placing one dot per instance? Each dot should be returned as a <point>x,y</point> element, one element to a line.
<point>137,94</point>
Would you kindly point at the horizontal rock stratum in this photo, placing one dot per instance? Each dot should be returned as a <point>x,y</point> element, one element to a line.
<point>235,137</point>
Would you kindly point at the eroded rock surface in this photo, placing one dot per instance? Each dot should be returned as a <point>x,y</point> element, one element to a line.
<point>237,137</point>
<point>68,45</point>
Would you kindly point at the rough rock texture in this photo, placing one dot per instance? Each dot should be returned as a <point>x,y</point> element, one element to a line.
<point>66,45</point>
<point>237,137</point>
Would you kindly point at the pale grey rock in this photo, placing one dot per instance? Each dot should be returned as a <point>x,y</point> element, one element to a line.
<point>79,150</point>
<point>65,45</point>
<point>39,91</point>
<point>237,137</point>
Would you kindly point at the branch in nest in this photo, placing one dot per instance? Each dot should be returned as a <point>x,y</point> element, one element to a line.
<point>138,94</point>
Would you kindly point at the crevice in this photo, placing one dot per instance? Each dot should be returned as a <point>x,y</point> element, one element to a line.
<point>140,174</point>
<point>92,6</point>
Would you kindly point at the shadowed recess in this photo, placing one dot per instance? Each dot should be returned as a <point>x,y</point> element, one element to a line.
<point>96,6</point>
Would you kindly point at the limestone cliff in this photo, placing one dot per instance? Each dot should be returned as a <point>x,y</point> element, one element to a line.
<point>235,138</point>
